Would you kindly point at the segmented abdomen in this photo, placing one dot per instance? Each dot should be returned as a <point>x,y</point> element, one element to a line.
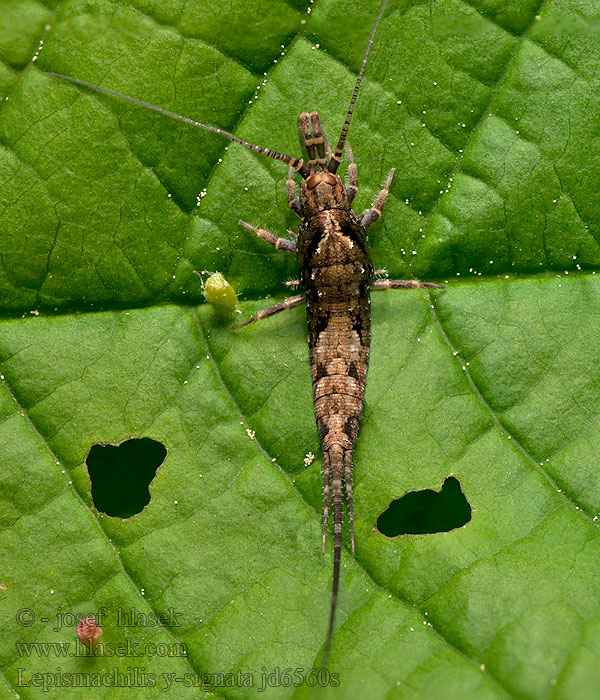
<point>335,273</point>
<point>339,356</point>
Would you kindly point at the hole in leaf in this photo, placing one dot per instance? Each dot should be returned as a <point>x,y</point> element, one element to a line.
<point>425,512</point>
<point>121,475</point>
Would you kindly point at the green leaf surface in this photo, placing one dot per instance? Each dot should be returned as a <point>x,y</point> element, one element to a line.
<point>488,110</point>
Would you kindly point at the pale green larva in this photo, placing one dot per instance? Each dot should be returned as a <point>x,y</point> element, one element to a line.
<point>218,292</point>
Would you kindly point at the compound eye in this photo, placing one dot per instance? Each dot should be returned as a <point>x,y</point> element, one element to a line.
<point>317,178</point>
<point>313,181</point>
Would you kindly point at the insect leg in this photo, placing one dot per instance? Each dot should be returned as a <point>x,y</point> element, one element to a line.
<point>382,285</point>
<point>308,140</point>
<point>279,243</point>
<point>327,145</point>
<point>289,303</point>
<point>293,201</point>
<point>369,216</point>
<point>319,139</point>
<point>292,283</point>
<point>352,188</point>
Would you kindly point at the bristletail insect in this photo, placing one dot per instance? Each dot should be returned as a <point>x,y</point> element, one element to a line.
<point>337,277</point>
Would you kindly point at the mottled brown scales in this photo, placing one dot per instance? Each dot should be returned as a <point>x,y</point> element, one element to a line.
<point>337,276</point>
<point>335,271</point>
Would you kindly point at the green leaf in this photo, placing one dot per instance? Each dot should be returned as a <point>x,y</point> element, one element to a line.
<point>488,111</point>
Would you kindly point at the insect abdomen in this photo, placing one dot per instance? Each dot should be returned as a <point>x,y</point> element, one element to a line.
<point>339,361</point>
<point>335,272</point>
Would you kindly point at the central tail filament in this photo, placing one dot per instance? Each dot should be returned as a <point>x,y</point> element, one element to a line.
<point>337,467</point>
<point>337,475</point>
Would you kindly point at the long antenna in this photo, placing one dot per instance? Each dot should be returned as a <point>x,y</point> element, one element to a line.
<point>336,159</point>
<point>296,163</point>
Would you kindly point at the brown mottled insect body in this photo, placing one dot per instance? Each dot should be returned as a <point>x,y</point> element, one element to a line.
<point>337,276</point>
<point>336,271</point>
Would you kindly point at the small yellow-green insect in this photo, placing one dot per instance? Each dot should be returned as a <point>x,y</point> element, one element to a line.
<point>219,293</point>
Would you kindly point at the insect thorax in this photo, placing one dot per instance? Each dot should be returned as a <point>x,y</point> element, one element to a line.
<point>321,191</point>
<point>333,253</point>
